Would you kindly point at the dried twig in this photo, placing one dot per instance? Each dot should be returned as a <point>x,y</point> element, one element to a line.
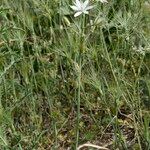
<point>92,145</point>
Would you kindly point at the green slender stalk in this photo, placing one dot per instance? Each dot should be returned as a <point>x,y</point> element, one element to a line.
<point>116,129</point>
<point>81,49</point>
<point>78,103</point>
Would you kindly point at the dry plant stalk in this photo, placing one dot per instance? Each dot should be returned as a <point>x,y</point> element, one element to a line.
<point>92,145</point>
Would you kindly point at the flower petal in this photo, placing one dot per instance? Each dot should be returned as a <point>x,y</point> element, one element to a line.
<point>77,13</point>
<point>103,1</point>
<point>75,8</point>
<point>89,7</point>
<point>78,3</point>
<point>85,4</point>
<point>86,12</point>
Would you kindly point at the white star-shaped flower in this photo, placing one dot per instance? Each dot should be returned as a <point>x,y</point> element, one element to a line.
<point>81,7</point>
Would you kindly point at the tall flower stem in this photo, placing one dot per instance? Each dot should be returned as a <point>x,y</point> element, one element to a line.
<point>78,103</point>
<point>81,50</point>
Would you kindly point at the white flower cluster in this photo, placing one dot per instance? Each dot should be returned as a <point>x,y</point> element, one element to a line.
<point>83,7</point>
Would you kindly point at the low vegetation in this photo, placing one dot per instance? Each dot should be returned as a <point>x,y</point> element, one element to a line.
<point>68,80</point>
